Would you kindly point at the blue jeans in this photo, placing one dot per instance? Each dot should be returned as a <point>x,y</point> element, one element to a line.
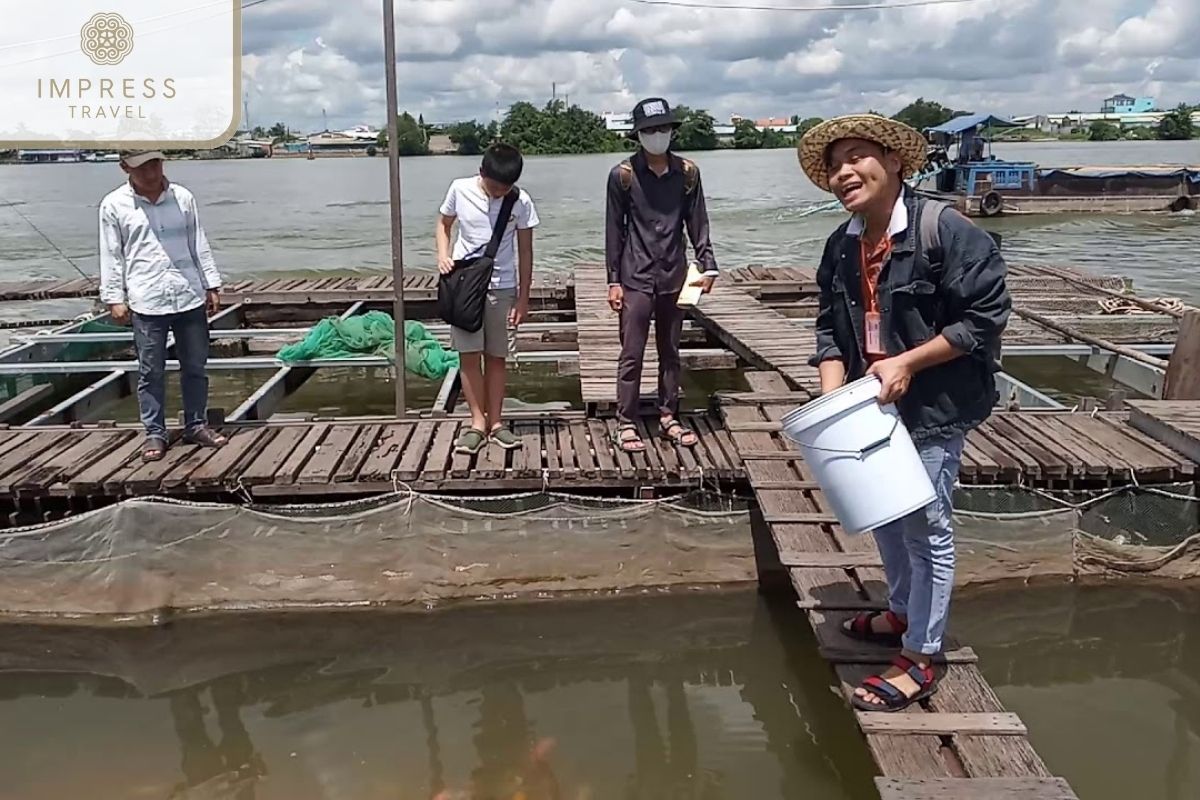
<point>918,552</point>
<point>191,347</point>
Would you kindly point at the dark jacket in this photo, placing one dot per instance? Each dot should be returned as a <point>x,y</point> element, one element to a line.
<point>957,290</point>
<point>644,245</point>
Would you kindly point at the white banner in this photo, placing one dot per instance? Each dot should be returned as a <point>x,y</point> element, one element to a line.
<point>120,73</point>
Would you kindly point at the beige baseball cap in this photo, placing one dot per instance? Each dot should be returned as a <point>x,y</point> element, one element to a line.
<point>135,158</point>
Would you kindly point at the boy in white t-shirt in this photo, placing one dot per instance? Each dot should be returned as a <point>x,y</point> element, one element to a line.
<point>475,203</point>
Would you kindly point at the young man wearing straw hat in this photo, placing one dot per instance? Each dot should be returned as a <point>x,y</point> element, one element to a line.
<point>653,198</point>
<point>913,293</point>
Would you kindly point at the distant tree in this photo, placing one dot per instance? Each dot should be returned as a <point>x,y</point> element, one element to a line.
<point>746,136</point>
<point>1100,131</point>
<point>1177,124</point>
<point>773,139</point>
<point>557,128</point>
<point>923,114</point>
<point>807,125</point>
<point>471,137</point>
<point>1140,133</point>
<point>411,139</point>
<point>259,132</point>
<point>697,130</point>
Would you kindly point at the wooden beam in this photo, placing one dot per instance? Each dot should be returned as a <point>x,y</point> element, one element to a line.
<point>884,655</point>
<point>24,401</point>
<point>829,560</point>
<point>113,386</point>
<point>448,394</point>
<point>800,519</point>
<point>974,789</point>
<point>1078,335</point>
<point>1183,370</point>
<point>995,724</point>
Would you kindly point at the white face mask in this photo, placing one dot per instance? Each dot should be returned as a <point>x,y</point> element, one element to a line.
<point>655,143</point>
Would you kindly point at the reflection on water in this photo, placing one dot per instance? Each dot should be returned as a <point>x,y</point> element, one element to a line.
<point>706,696</point>
<point>1106,678</point>
<point>1064,379</point>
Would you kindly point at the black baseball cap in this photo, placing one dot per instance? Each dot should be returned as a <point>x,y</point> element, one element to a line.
<point>652,112</point>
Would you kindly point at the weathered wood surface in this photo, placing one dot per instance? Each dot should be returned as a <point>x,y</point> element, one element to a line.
<point>1174,423</point>
<point>339,458</point>
<point>975,789</point>
<point>963,731</point>
<point>599,336</point>
<point>760,335</point>
<point>1183,372</point>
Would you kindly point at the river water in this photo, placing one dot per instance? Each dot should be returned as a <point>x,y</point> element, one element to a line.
<point>280,216</point>
<point>714,696</point>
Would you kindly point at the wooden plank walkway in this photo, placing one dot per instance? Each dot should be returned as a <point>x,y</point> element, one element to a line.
<point>761,335</point>
<point>1046,449</point>
<point>352,458</point>
<point>599,340</point>
<point>963,732</point>
<point>418,287</point>
<point>1174,423</point>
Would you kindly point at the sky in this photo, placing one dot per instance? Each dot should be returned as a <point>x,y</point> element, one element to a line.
<point>463,59</point>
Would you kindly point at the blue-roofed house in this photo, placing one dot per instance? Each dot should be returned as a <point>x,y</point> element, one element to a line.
<point>1124,104</point>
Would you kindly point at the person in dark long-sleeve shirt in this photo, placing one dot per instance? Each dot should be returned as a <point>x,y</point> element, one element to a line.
<point>653,199</point>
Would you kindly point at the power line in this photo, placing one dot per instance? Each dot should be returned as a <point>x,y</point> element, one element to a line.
<point>738,7</point>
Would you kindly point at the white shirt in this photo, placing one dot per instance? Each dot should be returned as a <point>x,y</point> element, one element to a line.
<point>476,212</point>
<point>897,225</point>
<point>154,257</point>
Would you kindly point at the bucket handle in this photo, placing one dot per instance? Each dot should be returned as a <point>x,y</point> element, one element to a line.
<point>859,454</point>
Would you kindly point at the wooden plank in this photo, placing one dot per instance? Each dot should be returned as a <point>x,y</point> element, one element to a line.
<point>25,400</point>
<point>147,478</point>
<point>880,655</point>
<point>658,454</point>
<point>244,444</point>
<point>307,449</point>
<point>588,466</point>
<point>566,445</point>
<point>17,476</point>
<point>357,454</point>
<point>267,462</point>
<point>388,451</point>
<point>551,449</point>
<point>94,477</point>
<point>800,519</point>
<point>527,462</point>
<point>328,455</point>
<point>830,560</point>
<point>623,459</point>
<point>709,448</point>
<point>17,459</point>
<point>602,446</point>
<point>1002,724</point>
<point>177,478</point>
<point>441,453</point>
<point>492,462</point>
<point>93,447</point>
<point>1087,461</point>
<point>1027,464</point>
<point>974,789</point>
<point>1151,420</point>
<point>1048,462</point>
<point>1182,381</point>
<point>415,451</point>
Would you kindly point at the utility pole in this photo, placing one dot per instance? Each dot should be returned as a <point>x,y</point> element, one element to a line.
<point>389,57</point>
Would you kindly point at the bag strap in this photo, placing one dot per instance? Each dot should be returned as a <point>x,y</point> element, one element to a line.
<point>691,175</point>
<point>931,238</point>
<point>501,223</point>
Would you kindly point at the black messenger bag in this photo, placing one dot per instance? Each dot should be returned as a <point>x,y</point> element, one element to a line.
<point>462,293</point>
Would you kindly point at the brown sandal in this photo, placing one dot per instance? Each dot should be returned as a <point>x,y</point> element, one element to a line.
<point>629,444</point>
<point>154,448</point>
<point>206,437</point>
<point>678,438</point>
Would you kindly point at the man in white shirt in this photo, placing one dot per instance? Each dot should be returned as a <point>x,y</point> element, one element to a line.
<point>157,270</point>
<point>475,203</point>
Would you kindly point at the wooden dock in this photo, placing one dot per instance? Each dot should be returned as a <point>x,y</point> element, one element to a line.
<point>962,743</point>
<point>599,339</point>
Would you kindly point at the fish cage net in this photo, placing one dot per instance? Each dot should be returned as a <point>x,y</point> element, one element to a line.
<point>135,560</point>
<point>142,560</point>
<point>1002,533</point>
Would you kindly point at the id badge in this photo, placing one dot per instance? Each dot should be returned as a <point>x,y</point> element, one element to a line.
<point>874,339</point>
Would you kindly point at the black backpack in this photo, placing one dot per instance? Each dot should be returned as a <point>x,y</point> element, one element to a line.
<point>462,293</point>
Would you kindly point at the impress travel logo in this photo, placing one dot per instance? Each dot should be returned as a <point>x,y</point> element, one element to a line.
<point>134,73</point>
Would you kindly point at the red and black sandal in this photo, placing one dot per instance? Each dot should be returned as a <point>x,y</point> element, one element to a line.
<point>860,627</point>
<point>894,699</point>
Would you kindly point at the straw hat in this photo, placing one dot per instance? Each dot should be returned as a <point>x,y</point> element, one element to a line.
<point>907,142</point>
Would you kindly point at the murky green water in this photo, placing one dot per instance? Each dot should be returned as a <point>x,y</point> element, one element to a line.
<point>715,695</point>
<point>685,697</point>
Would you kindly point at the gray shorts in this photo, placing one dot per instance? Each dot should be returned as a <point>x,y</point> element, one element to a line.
<point>493,338</point>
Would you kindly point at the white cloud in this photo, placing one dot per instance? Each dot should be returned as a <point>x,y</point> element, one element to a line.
<point>463,58</point>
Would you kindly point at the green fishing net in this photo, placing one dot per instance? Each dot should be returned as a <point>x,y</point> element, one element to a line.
<point>373,334</point>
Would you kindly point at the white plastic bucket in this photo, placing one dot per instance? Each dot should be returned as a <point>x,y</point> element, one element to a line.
<point>861,455</point>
